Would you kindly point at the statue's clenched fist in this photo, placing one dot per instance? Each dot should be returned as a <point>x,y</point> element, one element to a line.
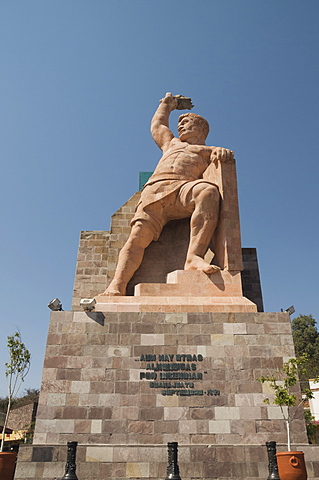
<point>222,154</point>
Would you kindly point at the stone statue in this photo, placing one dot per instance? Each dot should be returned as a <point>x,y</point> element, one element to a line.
<point>176,190</point>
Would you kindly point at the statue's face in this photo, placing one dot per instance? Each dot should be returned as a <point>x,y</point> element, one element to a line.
<point>190,127</point>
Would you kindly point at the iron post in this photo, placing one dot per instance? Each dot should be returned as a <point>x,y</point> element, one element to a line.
<point>272,461</point>
<point>70,466</point>
<point>172,468</point>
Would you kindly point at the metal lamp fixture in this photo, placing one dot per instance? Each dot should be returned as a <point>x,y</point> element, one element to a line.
<point>55,305</point>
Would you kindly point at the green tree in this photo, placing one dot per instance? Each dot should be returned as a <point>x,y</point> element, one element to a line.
<point>3,404</point>
<point>16,370</point>
<point>30,395</point>
<point>282,382</point>
<point>306,341</point>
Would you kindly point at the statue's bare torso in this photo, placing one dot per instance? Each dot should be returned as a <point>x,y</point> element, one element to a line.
<point>184,159</point>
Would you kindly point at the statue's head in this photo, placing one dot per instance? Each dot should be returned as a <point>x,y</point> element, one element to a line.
<point>191,123</point>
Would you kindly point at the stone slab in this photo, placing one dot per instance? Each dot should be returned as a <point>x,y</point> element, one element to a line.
<point>184,291</point>
<point>195,284</point>
<point>174,304</point>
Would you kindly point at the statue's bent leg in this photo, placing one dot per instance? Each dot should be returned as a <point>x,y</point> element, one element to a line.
<point>203,223</point>
<point>130,257</point>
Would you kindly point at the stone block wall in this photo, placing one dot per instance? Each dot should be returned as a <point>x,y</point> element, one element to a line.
<point>95,389</point>
<point>98,253</point>
<point>21,418</point>
<point>91,268</point>
<point>237,462</point>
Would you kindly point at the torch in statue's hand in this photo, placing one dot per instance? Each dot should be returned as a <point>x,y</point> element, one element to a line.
<point>184,103</point>
<point>177,102</point>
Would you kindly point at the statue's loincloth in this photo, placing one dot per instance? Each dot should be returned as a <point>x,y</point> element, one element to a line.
<point>163,200</point>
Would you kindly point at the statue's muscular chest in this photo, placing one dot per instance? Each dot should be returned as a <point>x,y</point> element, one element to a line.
<point>183,156</point>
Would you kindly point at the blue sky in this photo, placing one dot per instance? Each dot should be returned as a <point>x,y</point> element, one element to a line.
<point>80,82</point>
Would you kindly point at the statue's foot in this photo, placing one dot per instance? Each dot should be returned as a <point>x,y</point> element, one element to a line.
<point>198,263</point>
<point>112,293</point>
<point>114,290</point>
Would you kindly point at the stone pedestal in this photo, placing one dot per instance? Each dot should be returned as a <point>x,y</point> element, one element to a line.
<point>123,384</point>
<point>184,291</point>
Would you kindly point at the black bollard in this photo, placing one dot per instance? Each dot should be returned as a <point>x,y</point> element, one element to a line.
<point>272,461</point>
<point>172,468</point>
<point>70,466</point>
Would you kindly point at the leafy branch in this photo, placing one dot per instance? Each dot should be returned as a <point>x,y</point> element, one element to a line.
<point>15,370</point>
<point>281,382</point>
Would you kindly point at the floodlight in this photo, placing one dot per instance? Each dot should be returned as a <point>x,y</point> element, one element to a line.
<point>88,304</point>
<point>55,305</point>
<point>290,310</point>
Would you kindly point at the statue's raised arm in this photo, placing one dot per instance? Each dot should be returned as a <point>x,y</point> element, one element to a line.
<point>161,133</point>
